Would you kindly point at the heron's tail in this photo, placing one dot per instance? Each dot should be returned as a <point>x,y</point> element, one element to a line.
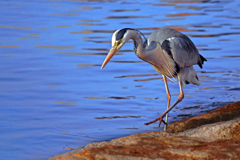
<point>188,75</point>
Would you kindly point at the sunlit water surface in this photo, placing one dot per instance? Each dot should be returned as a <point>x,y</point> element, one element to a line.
<point>55,98</point>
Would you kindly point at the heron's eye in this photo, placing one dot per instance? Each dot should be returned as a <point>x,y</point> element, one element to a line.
<point>118,42</point>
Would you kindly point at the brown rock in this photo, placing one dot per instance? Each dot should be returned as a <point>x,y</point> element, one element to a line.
<point>169,147</point>
<point>221,130</point>
<point>226,113</point>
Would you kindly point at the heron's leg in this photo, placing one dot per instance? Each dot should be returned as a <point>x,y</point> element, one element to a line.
<point>168,101</point>
<point>180,98</point>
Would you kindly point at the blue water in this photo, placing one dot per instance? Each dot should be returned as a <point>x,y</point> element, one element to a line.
<point>55,98</point>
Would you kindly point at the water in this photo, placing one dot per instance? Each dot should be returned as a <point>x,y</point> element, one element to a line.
<point>55,98</point>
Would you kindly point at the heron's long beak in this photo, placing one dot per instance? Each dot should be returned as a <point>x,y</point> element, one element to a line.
<point>112,51</point>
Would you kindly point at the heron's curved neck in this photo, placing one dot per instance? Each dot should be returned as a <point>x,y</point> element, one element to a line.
<point>138,43</point>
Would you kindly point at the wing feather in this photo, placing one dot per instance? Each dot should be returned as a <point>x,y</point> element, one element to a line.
<point>160,60</point>
<point>184,52</point>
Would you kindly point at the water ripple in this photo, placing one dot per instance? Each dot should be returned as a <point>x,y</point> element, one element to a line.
<point>114,117</point>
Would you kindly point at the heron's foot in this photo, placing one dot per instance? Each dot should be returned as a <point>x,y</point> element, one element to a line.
<point>160,118</point>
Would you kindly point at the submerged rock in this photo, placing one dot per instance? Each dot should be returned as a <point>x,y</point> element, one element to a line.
<point>214,136</point>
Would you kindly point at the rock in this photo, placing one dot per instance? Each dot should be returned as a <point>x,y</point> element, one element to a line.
<point>226,113</point>
<point>218,139</point>
<point>221,130</point>
<point>165,148</point>
<point>162,147</point>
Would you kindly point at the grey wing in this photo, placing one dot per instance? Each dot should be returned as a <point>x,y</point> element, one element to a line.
<point>178,46</point>
<point>183,51</point>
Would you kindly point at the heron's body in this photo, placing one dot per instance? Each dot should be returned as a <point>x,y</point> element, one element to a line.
<point>170,52</point>
<point>176,55</point>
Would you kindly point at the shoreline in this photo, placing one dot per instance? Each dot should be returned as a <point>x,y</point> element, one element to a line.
<point>210,135</point>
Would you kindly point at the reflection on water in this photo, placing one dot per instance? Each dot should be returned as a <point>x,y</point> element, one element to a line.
<point>126,17</point>
<point>54,96</point>
<point>55,47</point>
<point>71,103</point>
<point>8,46</point>
<point>28,37</point>
<point>65,14</point>
<point>114,117</point>
<point>119,98</point>
<point>58,26</point>
<point>148,79</point>
<point>87,65</point>
<point>183,14</point>
<point>172,19</point>
<point>75,53</point>
<point>213,35</point>
<point>52,86</point>
<point>141,75</point>
<point>90,24</point>
<point>127,61</point>
<point>10,27</point>
<point>93,31</point>
<point>124,10</point>
<point>43,29</point>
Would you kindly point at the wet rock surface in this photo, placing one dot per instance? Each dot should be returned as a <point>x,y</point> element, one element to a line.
<point>214,136</point>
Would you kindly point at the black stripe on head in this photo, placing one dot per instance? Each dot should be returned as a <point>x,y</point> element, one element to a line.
<point>121,33</point>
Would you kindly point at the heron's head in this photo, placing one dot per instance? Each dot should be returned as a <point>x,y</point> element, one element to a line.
<point>119,38</point>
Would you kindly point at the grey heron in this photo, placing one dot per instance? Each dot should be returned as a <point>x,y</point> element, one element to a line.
<point>170,52</point>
